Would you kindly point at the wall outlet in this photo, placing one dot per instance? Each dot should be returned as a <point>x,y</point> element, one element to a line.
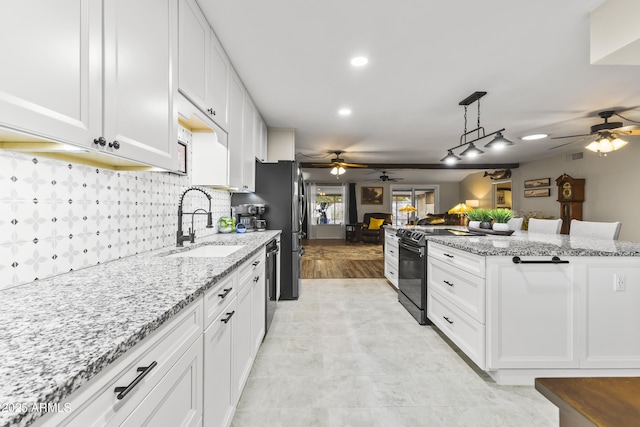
<point>618,282</point>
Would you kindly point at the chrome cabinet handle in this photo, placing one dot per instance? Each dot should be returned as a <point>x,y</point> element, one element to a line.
<point>225,293</point>
<point>144,370</point>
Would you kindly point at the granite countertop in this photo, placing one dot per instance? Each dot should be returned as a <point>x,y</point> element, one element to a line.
<point>523,243</point>
<point>57,333</point>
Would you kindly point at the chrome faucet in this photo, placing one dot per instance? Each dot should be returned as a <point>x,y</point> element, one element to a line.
<point>191,236</point>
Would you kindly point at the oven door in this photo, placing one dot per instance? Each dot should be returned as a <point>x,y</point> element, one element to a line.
<point>412,280</point>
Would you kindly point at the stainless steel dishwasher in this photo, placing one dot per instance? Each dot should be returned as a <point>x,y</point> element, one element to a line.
<point>271,281</point>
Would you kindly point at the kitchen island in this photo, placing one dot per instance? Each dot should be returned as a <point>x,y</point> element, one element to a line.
<point>59,333</point>
<point>532,305</point>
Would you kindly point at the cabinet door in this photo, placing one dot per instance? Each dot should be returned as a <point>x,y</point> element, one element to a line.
<point>258,310</point>
<point>51,77</point>
<point>242,341</point>
<point>248,155</point>
<point>194,35</point>
<point>219,83</point>
<point>531,315</point>
<point>177,399</point>
<point>236,128</point>
<point>218,398</point>
<point>140,51</point>
<point>611,316</point>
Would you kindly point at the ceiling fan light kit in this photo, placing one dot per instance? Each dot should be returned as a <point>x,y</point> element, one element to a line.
<point>498,142</point>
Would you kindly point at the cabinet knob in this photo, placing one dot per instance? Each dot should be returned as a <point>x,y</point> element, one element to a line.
<point>115,145</point>
<point>100,141</point>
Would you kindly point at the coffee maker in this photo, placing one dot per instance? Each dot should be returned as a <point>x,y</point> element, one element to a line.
<point>250,215</point>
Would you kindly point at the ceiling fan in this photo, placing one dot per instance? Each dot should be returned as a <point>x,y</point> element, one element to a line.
<point>338,165</point>
<point>608,133</point>
<point>384,178</point>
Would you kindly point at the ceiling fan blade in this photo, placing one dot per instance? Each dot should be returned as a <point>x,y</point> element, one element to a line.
<point>571,136</point>
<point>355,165</point>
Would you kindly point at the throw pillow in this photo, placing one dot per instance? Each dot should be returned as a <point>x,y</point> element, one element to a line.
<point>375,223</point>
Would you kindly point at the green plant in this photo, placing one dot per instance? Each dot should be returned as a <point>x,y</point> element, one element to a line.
<point>226,222</point>
<point>501,215</point>
<point>481,215</point>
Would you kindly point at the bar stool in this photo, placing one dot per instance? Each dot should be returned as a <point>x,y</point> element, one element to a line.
<point>595,230</point>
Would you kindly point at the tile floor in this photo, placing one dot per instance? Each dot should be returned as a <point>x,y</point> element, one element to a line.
<point>348,354</point>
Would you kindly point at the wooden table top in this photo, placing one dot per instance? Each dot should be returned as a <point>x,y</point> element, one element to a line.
<point>604,401</point>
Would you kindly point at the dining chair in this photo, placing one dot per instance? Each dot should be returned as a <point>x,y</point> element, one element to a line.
<point>546,226</point>
<point>595,230</point>
<point>515,224</point>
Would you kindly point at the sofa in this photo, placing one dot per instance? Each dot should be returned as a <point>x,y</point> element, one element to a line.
<point>440,219</point>
<point>366,234</point>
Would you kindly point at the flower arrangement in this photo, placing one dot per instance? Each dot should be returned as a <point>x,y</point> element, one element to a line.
<point>226,224</point>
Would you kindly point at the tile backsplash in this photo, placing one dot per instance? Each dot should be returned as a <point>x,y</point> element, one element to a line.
<point>58,216</point>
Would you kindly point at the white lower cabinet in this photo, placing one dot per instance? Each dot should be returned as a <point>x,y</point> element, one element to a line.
<point>177,399</point>
<point>189,372</point>
<point>391,256</point>
<point>533,316</point>
<point>219,403</point>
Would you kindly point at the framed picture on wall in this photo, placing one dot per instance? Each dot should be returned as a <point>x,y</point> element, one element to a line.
<point>372,196</point>
<point>539,182</point>
<point>537,192</point>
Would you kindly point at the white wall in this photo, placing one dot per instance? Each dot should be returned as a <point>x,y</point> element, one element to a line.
<point>610,189</point>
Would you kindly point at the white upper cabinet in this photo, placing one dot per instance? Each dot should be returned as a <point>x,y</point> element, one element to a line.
<point>249,136</point>
<point>235,141</point>
<point>50,80</point>
<point>53,88</point>
<point>139,81</point>
<point>204,67</point>
<point>194,40</point>
<point>219,83</point>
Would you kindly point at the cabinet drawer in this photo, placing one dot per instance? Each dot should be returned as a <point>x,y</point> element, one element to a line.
<point>468,262</point>
<point>391,273</point>
<point>218,297</point>
<point>251,267</point>
<point>391,250</point>
<point>97,402</point>
<point>464,290</point>
<point>466,332</point>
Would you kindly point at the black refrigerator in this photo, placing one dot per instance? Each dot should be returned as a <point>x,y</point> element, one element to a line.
<point>281,188</point>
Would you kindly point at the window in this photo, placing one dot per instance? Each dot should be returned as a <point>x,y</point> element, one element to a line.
<point>329,205</point>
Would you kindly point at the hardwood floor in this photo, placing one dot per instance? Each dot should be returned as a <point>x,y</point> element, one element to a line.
<point>334,259</point>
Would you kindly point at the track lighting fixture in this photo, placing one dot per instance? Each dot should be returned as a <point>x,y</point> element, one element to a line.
<point>498,142</point>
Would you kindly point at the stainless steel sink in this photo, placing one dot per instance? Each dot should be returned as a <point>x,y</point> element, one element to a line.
<point>208,251</point>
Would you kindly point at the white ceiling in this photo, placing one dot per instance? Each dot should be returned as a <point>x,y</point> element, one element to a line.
<point>425,56</point>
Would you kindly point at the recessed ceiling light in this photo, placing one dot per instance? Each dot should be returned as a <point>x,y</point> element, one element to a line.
<point>534,136</point>
<point>359,61</point>
<point>344,112</point>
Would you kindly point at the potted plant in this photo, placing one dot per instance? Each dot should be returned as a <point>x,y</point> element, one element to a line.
<point>226,224</point>
<point>500,218</point>
<point>475,217</point>
<point>481,215</point>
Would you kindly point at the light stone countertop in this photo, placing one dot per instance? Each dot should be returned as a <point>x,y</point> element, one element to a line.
<point>523,243</point>
<point>57,333</point>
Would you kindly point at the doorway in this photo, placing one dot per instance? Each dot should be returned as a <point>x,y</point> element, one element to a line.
<point>502,195</point>
<point>422,198</point>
